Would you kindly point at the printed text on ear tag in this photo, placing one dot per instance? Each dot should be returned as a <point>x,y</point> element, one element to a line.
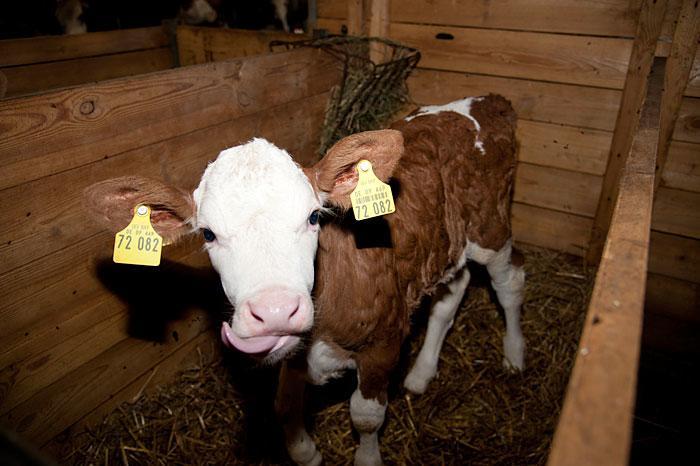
<point>371,197</point>
<point>138,243</point>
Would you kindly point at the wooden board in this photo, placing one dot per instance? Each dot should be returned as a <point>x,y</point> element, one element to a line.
<point>675,256</point>
<point>677,212</point>
<point>585,107</point>
<point>198,45</point>
<point>41,77</point>
<point>62,403</point>
<point>682,169</point>
<point>67,47</point>
<point>551,229</point>
<point>591,61</point>
<point>556,189</point>
<point>75,127</point>
<point>595,425</point>
<point>672,297</point>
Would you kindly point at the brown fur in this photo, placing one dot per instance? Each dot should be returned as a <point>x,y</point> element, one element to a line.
<point>446,192</point>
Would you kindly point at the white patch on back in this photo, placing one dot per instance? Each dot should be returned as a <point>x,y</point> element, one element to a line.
<point>325,364</point>
<point>463,107</point>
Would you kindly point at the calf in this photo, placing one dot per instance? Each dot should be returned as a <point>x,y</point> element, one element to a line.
<point>451,168</point>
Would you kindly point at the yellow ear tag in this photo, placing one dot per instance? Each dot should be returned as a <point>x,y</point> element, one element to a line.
<point>371,197</point>
<point>138,243</point>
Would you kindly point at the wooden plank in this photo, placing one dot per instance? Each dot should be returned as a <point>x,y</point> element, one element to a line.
<point>675,256</point>
<point>693,89</point>
<point>45,215</point>
<point>198,45</point>
<point>550,229</point>
<point>672,297</point>
<point>595,425</point>
<point>68,47</point>
<point>356,18</point>
<point>591,61</point>
<point>677,212</point>
<point>62,130</point>
<point>678,67</point>
<point>332,8</point>
<point>379,27</point>
<point>682,169</point>
<point>585,17</point>
<point>567,147</point>
<point>42,77</point>
<point>688,124</point>
<point>553,188</point>
<point>61,404</point>
<point>640,62</point>
<point>579,106</point>
<point>45,363</point>
<point>201,351</point>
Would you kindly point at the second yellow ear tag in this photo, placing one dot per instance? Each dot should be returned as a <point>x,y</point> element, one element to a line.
<point>371,197</point>
<point>138,243</point>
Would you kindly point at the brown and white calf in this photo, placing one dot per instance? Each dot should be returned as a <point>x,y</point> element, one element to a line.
<point>451,168</point>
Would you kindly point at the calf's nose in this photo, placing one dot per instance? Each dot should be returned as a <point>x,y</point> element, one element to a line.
<point>275,311</point>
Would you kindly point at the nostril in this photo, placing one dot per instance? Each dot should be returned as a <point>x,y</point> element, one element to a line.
<point>294,312</point>
<point>257,317</point>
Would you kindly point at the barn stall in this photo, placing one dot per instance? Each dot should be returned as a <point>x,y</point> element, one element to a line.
<point>76,344</point>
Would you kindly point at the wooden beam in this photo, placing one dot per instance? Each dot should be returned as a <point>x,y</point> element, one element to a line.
<point>356,18</point>
<point>595,427</point>
<point>379,27</point>
<point>649,25</point>
<point>678,66</point>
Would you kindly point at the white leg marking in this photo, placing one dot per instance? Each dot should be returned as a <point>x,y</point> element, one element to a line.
<point>325,363</point>
<point>441,319</point>
<point>289,406</point>
<point>509,281</point>
<point>367,417</point>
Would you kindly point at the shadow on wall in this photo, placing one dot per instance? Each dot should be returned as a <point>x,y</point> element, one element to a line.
<point>158,296</point>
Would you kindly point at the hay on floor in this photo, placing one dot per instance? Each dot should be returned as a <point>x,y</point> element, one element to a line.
<point>474,412</point>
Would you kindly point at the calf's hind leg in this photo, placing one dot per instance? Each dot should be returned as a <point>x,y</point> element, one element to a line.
<point>442,313</point>
<point>508,280</point>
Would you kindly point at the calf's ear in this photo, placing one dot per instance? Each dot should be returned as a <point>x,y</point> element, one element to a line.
<point>111,203</point>
<point>335,174</point>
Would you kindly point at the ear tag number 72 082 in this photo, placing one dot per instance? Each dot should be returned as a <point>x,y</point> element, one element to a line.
<point>371,197</point>
<point>138,243</point>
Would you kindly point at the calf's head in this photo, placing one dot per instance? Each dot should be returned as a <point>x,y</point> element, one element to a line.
<point>258,214</point>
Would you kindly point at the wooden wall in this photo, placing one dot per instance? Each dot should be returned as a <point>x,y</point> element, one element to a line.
<point>563,65</point>
<point>68,349</point>
<point>50,62</point>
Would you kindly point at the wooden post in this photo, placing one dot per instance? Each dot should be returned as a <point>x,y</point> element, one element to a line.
<point>595,426</point>
<point>379,27</point>
<point>651,18</point>
<point>678,66</point>
<point>356,18</point>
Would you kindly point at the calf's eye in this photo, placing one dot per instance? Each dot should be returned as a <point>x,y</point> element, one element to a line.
<point>313,218</point>
<point>209,235</point>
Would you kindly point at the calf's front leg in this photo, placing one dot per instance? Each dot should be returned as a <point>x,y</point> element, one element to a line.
<point>289,406</point>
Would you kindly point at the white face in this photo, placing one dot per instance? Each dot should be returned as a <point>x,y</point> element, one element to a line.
<point>262,212</point>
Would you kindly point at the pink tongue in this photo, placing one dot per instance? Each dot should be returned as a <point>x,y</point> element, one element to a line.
<point>251,345</point>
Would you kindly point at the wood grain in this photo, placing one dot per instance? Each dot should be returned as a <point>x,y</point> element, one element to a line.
<point>640,67</point>
<point>62,403</point>
<point>675,256</point>
<point>682,169</point>
<point>51,133</point>
<point>590,61</point>
<point>67,47</point>
<point>197,45</point>
<point>556,189</point>
<point>551,229</point>
<point>595,425</point>
<point>42,77</point>
<point>678,67</point>
<point>676,211</point>
<point>584,107</point>
<point>45,215</point>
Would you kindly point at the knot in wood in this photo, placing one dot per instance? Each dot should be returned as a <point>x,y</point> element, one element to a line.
<point>87,107</point>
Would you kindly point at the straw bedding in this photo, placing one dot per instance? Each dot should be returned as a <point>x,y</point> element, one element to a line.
<point>474,412</point>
